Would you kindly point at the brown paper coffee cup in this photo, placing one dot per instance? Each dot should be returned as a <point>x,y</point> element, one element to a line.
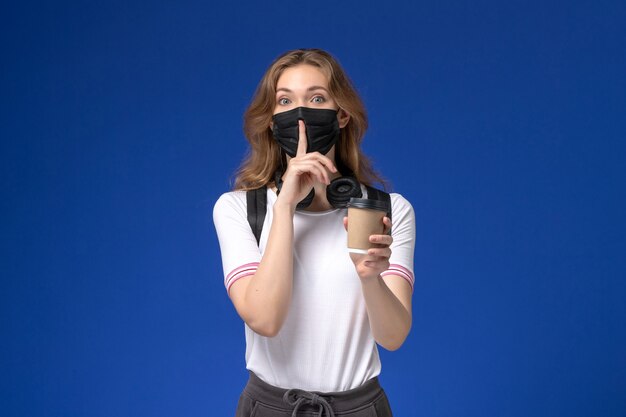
<point>365,218</point>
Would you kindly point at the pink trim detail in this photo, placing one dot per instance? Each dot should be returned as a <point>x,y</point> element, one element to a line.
<point>395,269</point>
<point>240,272</point>
<point>239,268</point>
<point>238,277</point>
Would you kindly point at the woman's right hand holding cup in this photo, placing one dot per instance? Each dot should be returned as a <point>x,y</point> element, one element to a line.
<point>303,170</point>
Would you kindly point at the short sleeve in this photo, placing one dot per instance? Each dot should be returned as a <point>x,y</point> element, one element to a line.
<point>238,246</point>
<point>403,233</point>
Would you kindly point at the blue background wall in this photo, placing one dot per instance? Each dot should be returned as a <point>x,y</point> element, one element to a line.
<point>503,122</point>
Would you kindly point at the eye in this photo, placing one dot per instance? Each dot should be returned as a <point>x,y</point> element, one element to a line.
<point>318,99</point>
<point>283,101</point>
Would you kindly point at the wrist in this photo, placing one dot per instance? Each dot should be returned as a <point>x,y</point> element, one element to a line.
<point>283,208</point>
<point>371,280</point>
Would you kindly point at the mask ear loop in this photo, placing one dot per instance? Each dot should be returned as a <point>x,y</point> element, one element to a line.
<point>283,162</point>
<point>341,166</point>
<point>278,174</point>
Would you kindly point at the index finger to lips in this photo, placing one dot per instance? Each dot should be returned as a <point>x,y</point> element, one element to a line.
<point>302,141</point>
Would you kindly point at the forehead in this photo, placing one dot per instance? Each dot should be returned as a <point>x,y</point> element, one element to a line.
<point>302,77</point>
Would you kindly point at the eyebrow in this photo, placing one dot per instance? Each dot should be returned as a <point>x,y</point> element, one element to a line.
<point>312,88</point>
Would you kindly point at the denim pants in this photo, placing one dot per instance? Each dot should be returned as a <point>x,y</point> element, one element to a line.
<point>260,399</point>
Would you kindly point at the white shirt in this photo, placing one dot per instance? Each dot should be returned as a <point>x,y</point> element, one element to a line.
<point>325,343</point>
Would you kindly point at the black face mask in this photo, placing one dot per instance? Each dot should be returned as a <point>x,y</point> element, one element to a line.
<point>322,129</point>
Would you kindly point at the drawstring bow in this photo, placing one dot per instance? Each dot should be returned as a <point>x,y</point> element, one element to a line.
<point>305,397</point>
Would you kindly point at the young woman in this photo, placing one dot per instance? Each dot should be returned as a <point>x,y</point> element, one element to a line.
<point>313,312</point>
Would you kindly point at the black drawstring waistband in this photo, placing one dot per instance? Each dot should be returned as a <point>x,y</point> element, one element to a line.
<point>325,404</point>
<point>306,397</point>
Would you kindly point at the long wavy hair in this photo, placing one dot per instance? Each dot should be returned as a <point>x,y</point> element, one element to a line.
<point>265,157</point>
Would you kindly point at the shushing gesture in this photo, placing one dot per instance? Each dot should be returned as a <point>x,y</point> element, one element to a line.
<point>304,170</point>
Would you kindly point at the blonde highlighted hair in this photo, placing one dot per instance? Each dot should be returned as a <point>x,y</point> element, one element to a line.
<point>265,158</point>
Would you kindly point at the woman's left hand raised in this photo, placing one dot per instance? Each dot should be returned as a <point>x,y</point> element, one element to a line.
<point>376,261</point>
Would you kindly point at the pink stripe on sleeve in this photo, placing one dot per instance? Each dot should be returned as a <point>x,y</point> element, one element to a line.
<point>395,269</point>
<point>240,272</point>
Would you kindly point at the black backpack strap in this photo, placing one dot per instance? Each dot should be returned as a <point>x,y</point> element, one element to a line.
<point>376,194</point>
<point>257,208</point>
